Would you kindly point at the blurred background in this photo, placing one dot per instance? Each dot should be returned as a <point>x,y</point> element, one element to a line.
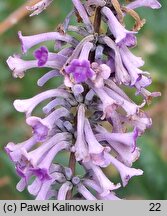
<point>152,46</point>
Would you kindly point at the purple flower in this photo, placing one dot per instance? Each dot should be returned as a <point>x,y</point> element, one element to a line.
<point>28,105</point>
<point>102,72</point>
<point>79,70</point>
<point>30,41</point>
<point>96,150</point>
<point>107,101</point>
<point>15,151</point>
<point>125,172</point>
<point>130,107</point>
<point>77,89</point>
<point>41,127</point>
<point>41,55</point>
<point>42,170</point>
<point>89,116</point>
<point>85,192</point>
<point>136,61</point>
<point>63,190</point>
<point>126,154</point>
<point>36,155</point>
<point>121,74</point>
<point>20,66</point>
<point>122,36</point>
<point>98,175</point>
<point>80,147</point>
<point>128,139</point>
<point>134,72</point>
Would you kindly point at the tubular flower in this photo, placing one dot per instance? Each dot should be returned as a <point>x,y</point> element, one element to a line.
<point>94,69</point>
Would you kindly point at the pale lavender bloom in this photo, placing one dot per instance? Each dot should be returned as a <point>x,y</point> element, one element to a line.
<point>134,72</point>
<point>83,48</point>
<point>28,105</point>
<point>21,185</point>
<point>102,72</point>
<point>80,147</point>
<point>141,121</point>
<point>85,192</point>
<point>77,89</point>
<point>27,163</point>
<point>125,172</point>
<point>96,150</point>
<point>63,190</point>
<point>129,106</point>
<point>114,119</point>
<point>98,175</point>
<point>147,94</point>
<point>121,74</point>
<point>128,139</point>
<point>46,186</point>
<point>136,61</point>
<point>114,87</point>
<point>35,156</point>
<point>143,82</point>
<point>30,41</point>
<point>107,101</point>
<point>35,186</point>
<point>126,154</point>
<point>41,127</point>
<point>154,4</point>
<point>14,151</point>
<point>122,36</point>
<point>20,66</point>
<point>44,190</point>
<point>42,169</point>
<point>40,189</point>
<point>92,184</point>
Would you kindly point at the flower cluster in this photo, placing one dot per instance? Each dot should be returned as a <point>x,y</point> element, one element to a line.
<point>89,115</point>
